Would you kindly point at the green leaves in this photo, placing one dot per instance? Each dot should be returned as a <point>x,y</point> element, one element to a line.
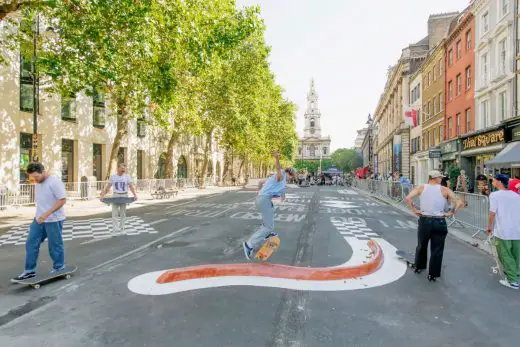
<point>347,159</point>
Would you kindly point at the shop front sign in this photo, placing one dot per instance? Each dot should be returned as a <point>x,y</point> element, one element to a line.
<point>449,147</point>
<point>483,140</point>
<point>434,153</point>
<point>515,133</point>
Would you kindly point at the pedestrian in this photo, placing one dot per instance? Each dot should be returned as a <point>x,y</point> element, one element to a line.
<point>514,184</point>
<point>50,196</point>
<point>503,222</point>
<point>432,222</point>
<point>121,183</point>
<point>273,187</point>
<point>462,186</point>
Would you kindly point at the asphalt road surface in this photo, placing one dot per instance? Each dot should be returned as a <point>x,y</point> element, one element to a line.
<point>361,294</point>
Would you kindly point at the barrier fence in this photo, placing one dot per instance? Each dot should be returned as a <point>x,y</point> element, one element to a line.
<point>472,218</point>
<point>23,194</point>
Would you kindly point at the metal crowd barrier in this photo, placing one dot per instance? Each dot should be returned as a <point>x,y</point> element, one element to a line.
<point>473,215</point>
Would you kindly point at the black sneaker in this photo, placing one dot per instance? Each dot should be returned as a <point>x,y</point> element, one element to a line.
<point>248,251</point>
<point>24,276</point>
<point>432,278</point>
<point>272,234</point>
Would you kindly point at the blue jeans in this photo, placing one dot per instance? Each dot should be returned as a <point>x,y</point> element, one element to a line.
<point>37,234</point>
<point>266,208</point>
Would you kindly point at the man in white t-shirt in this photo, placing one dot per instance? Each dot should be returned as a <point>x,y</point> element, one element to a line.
<point>504,223</point>
<point>120,182</point>
<point>50,196</point>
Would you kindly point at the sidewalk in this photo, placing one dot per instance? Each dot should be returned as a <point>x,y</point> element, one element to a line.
<point>13,216</point>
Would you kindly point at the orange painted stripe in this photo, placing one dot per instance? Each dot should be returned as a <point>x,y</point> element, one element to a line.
<point>277,270</point>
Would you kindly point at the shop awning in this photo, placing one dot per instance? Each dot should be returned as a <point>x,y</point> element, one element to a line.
<point>508,157</point>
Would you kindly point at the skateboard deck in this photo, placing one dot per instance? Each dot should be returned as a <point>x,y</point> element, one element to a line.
<point>407,257</point>
<point>118,200</point>
<point>268,248</point>
<point>36,281</point>
<point>497,268</point>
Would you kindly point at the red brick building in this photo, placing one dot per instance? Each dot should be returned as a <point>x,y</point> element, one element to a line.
<point>460,77</point>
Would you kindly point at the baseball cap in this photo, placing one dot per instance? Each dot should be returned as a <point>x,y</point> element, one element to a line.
<point>435,174</point>
<point>504,179</point>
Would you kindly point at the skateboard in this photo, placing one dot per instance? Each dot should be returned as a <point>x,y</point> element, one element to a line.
<point>37,280</point>
<point>407,257</point>
<point>268,248</point>
<point>497,269</point>
<point>118,200</point>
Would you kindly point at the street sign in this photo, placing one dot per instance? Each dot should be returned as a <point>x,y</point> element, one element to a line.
<point>435,153</point>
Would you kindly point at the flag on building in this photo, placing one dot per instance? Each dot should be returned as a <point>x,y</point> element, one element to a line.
<point>410,118</point>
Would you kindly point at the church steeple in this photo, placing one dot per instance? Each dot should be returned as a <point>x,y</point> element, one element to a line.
<point>312,114</point>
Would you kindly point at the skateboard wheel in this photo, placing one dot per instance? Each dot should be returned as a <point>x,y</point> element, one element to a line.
<point>67,277</point>
<point>36,286</point>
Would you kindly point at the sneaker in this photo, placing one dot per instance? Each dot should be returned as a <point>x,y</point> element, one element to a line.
<point>248,251</point>
<point>53,271</point>
<point>432,278</point>
<point>24,276</point>
<point>512,285</point>
<point>272,234</point>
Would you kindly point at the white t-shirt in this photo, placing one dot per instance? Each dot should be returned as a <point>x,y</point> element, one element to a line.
<point>120,183</point>
<point>506,205</point>
<point>47,194</point>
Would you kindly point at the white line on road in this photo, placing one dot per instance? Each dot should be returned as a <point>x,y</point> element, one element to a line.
<point>137,250</point>
<point>158,221</point>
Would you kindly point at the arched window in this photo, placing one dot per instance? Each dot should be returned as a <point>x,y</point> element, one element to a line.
<point>312,123</point>
<point>182,168</point>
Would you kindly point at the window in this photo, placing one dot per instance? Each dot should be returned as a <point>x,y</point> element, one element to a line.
<point>484,114</point>
<point>434,136</point>
<point>484,24</point>
<point>450,127</point>
<point>434,72</point>
<point>450,90</point>
<point>468,39</point>
<point>502,106</point>
<point>97,159</point>
<point>440,68</point>
<point>141,127</point>
<point>504,7</point>
<point>25,155</point>
<point>441,102</point>
<point>68,108</point>
<point>502,56</point>
<point>429,109</point>
<point>98,100</point>
<point>140,164</point>
<point>121,155</point>
<point>429,78</point>
<point>459,49</point>
<point>435,105</point>
<point>459,84</point>
<point>418,91</point>
<point>468,77</point>
<point>67,160</point>
<point>440,133</point>
<point>485,69</point>
<point>26,85</point>
<point>312,123</point>
<point>468,120</point>
<point>324,150</point>
<point>418,117</point>
<point>457,129</point>
<point>450,57</point>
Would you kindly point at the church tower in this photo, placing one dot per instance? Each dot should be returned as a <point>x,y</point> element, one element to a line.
<point>312,115</point>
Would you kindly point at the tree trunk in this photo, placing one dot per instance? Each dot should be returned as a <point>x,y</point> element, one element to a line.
<point>240,169</point>
<point>247,170</point>
<point>227,162</point>
<point>120,132</point>
<point>207,148</point>
<point>169,154</point>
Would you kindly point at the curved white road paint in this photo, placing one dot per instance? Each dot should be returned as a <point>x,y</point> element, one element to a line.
<point>391,270</point>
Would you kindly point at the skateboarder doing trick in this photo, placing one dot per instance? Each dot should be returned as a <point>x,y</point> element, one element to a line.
<point>432,222</point>
<point>50,196</point>
<point>273,187</point>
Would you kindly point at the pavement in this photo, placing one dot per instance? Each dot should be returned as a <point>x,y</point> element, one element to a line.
<point>181,280</point>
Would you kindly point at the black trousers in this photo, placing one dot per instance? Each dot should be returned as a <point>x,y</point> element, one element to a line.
<point>433,231</point>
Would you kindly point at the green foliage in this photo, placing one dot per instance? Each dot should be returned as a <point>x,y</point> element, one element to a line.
<point>453,173</point>
<point>346,159</point>
<point>312,166</point>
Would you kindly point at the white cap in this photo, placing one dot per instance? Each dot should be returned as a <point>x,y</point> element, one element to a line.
<point>435,174</point>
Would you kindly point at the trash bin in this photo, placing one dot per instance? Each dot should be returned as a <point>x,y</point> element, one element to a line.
<point>84,188</point>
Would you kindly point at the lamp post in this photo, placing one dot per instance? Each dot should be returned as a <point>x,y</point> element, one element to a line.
<point>35,95</point>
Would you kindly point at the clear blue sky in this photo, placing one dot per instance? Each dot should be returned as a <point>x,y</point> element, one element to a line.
<point>347,46</point>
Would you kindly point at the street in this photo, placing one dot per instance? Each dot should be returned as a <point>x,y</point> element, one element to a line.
<point>114,299</point>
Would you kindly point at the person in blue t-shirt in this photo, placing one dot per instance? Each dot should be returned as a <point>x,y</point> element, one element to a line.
<point>273,187</point>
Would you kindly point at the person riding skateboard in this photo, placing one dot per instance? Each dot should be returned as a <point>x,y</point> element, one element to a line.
<point>432,222</point>
<point>50,196</point>
<point>273,187</point>
<point>121,183</point>
<point>503,222</point>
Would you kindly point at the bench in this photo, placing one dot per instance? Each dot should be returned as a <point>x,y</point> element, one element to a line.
<point>162,193</point>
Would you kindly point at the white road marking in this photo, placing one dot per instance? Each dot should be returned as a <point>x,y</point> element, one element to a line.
<point>158,221</point>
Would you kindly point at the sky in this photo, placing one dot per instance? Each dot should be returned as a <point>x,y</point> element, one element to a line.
<point>347,47</point>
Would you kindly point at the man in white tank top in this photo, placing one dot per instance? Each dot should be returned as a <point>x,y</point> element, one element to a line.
<point>432,222</point>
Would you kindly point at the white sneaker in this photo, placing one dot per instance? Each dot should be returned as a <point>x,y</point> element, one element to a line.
<point>512,285</point>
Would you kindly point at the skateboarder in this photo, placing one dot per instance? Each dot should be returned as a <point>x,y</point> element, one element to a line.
<point>273,187</point>
<point>50,196</point>
<point>503,222</point>
<point>432,222</point>
<point>121,183</point>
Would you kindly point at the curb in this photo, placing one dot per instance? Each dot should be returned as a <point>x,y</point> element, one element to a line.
<point>453,232</point>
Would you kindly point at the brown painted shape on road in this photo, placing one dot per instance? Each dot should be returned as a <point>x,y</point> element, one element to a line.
<point>277,270</point>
